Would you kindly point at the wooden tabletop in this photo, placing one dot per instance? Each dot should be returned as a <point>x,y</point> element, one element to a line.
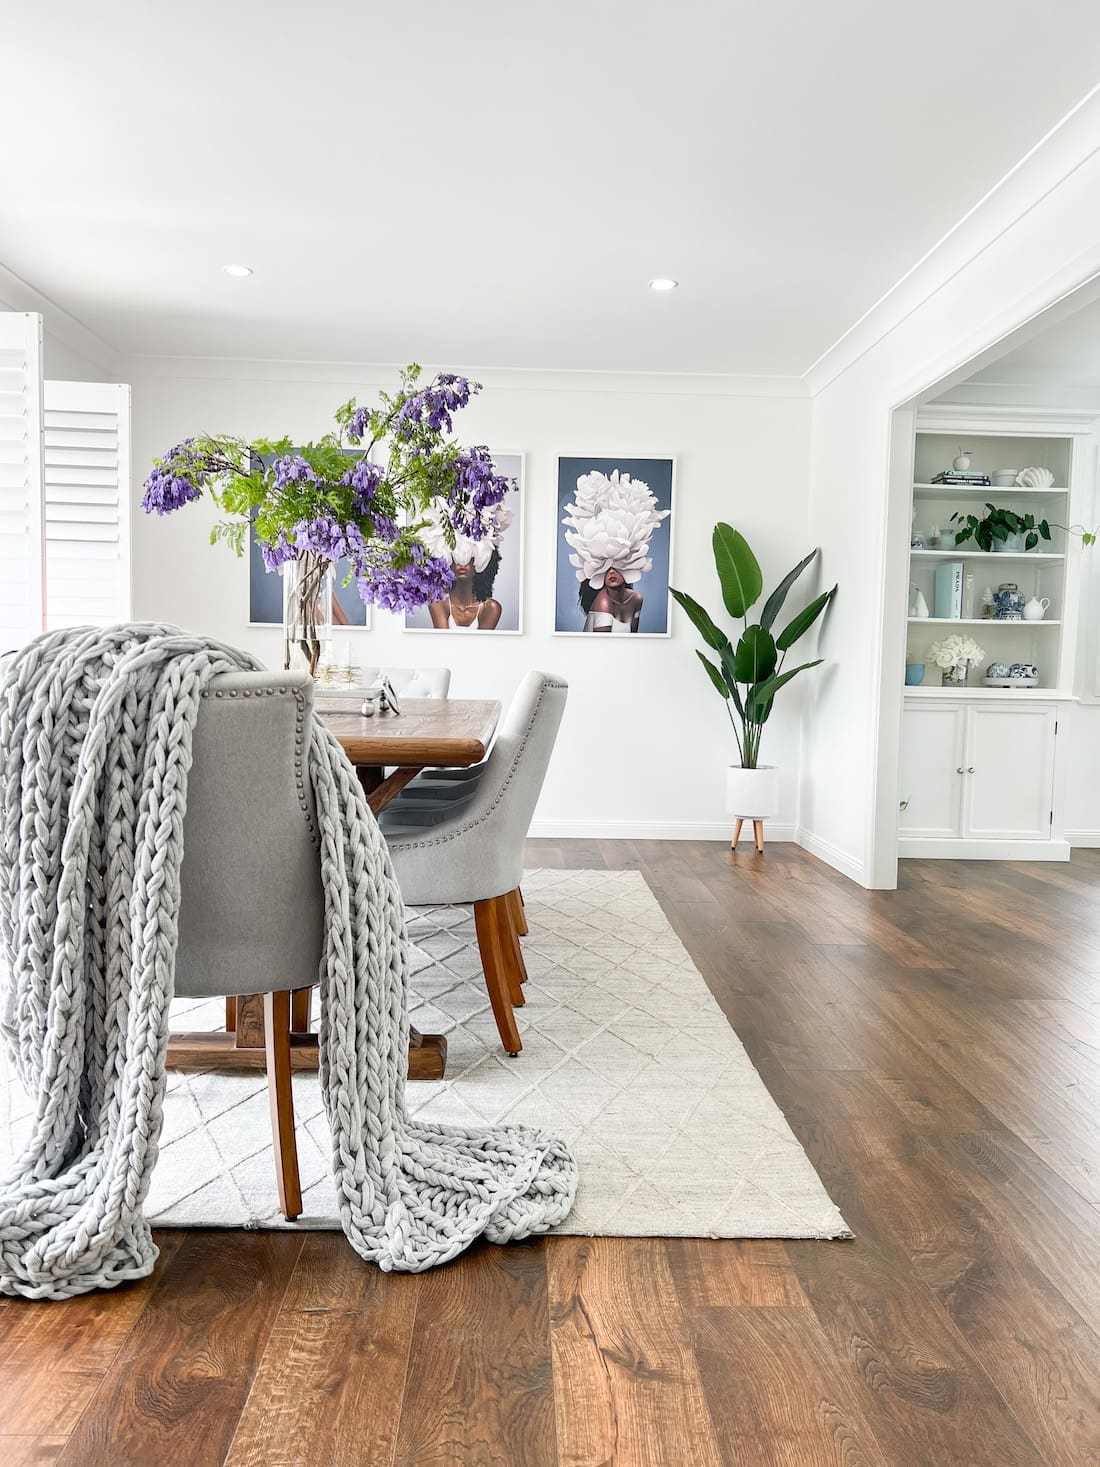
<point>428,732</point>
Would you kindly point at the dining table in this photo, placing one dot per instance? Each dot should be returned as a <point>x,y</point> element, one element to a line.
<point>388,749</point>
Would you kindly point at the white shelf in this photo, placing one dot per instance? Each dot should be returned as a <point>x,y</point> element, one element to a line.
<point>980,491</point>
<point>976,621</point>
<point>1047,555</point>
<point>1044,695</point>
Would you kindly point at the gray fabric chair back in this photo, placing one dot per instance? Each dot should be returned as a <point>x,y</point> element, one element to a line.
<point>251,905</point>
<point>479,853</point>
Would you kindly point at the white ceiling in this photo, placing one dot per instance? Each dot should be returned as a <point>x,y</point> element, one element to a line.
<point>493,183</point>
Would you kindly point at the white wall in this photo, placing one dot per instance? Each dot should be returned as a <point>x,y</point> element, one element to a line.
<point>70,353</point>
<point>1028,247</point>
<point>645,740</point>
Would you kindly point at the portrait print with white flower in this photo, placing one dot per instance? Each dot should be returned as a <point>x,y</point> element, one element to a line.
<point>481,537</point>
<point>614,552</point>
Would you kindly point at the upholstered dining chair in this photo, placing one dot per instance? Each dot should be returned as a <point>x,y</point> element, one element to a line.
<point>251,904</point>
<point>411,682</point>
<point>474,852</point>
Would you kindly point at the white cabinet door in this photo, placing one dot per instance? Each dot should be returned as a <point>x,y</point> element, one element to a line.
<point>1010,794</point>
<point>931,786</point>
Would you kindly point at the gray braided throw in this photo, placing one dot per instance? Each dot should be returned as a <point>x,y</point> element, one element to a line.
<point>95,748</point>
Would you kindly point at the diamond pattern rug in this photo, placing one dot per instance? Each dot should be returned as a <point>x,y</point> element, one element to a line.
<point>626,1054</point>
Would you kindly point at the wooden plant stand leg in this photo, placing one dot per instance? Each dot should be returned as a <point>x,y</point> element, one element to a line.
<point>519,916</point>
<point>758,835</point>
<point>277,1026</point>
<point>498,943</point>
<point>736,835</point>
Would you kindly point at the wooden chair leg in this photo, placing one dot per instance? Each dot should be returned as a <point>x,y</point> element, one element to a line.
<point>519,916</point>
<point>277,1039</point>
<point>517,972</point>
<point>299,1010</point>
<point>736,835</point>
<point>231,1015</point>
<point>758,835</point>
<point>497,942</point>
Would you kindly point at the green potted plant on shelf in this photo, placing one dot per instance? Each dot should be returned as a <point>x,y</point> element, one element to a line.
<point>1000,529</point>
<point>750,672</point>
<point>1005,530</point>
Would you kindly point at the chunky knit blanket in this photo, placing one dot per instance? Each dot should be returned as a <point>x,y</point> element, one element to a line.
<point>95,746</point>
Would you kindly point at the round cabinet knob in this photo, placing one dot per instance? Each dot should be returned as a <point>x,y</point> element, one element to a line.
<point>960,770</point>
<point>970,770</point>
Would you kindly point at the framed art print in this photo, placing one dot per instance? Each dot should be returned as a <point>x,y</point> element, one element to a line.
<point>614,546</point>
<point>487,594</point>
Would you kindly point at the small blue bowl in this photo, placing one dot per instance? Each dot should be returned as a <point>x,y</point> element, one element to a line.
<point>914,674</point>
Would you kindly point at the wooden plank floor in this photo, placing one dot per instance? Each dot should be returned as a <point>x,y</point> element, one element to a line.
<point>937,1051</point>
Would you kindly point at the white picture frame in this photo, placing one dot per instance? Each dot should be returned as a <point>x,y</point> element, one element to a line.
<point>661,469</point>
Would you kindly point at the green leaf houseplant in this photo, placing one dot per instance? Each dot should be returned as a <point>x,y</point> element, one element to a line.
<point>749,672</point>
<point>1006,530</point>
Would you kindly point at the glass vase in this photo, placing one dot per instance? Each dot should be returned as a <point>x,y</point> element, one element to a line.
<point>957,676</point>
<point>308,586</point>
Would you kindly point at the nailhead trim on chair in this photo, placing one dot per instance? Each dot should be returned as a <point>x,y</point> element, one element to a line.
<point>299,740</point>
<point>441,840</point>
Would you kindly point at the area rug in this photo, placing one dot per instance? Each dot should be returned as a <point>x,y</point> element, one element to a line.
<point>626,1054</point>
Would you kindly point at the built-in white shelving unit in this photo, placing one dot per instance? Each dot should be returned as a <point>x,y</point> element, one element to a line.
<point>980,776</point>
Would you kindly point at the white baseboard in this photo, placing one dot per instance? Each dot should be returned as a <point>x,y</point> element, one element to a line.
<point>984,850</point>
<point>832,855</point>
<point>655,830</point>
<point>1083,837</point>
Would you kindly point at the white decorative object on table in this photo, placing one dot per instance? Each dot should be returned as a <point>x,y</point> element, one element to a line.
<point>1034,478</point>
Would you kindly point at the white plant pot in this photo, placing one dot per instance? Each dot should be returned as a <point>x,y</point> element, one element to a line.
<point>752,794</point>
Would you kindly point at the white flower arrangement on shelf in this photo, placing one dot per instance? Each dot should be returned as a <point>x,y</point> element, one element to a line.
<point>955,651</point>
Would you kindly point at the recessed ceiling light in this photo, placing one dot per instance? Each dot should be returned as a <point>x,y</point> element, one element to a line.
<point>239,270</point>
<point>663,282</point>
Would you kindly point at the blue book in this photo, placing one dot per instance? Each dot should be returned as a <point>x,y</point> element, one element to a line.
<point>948,597</point>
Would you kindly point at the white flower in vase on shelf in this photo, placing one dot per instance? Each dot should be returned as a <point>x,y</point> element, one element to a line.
<point>954,656</point>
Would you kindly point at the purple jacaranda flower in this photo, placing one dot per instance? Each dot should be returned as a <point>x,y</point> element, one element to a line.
<point>358,424</point>
<point>176,479</point>
<point>292,469</point>
<point>278,554</point>
<point>403,588</point>
<point>364,480</point>
<point>434,405</point>
<point>384,527</point>
<point>324,535</point>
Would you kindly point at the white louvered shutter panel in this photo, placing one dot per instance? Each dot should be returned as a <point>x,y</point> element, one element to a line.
<point>87,450</point>
<point>20,477</point>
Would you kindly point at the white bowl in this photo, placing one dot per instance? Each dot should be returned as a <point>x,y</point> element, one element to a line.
<point>1004,478</point>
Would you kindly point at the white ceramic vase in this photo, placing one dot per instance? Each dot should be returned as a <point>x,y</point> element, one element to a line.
<point>752,794</point>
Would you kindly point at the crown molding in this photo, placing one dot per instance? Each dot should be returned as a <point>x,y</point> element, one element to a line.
<point>946,416</point>
<point>19,295</point>
<point>1058,154</point>
<point>515,379</point>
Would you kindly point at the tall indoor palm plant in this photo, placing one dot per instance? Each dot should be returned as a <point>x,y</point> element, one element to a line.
<point>750,672</point>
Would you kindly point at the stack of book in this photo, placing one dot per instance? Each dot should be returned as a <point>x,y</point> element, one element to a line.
<point>952,476</point>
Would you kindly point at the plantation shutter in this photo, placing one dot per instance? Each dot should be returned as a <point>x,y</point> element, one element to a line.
<point>87,496</point>
<point>20,477</point>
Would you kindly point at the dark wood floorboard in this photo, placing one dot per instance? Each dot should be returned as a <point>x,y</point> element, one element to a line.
<point>937,1052</point>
